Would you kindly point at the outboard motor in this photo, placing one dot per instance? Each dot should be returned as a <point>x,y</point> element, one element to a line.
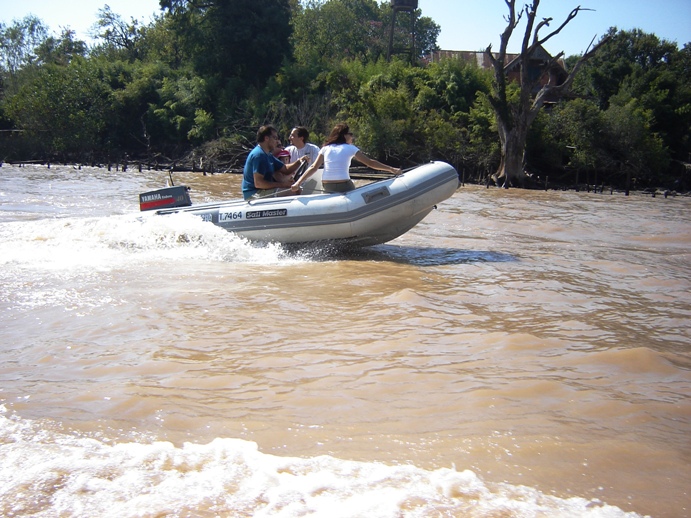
<point>167,198</point>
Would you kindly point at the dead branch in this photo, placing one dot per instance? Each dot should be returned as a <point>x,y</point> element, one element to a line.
<point>544,23</point>
<point>537,41</point>
<point>511,23</point>
<point>510,26</point>
<point>566,85</point>
<point>531,13</point>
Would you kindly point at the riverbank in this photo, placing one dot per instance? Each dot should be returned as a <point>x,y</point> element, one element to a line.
<point>357,173</point>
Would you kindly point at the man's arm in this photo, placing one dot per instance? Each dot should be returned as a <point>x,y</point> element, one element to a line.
<point>262,183</point>
<point>292,168</point>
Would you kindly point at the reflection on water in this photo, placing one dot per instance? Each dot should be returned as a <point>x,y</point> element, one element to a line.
<point>517,354</point>
<point>422,256</point>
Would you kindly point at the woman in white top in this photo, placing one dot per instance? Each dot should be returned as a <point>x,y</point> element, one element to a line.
<point>336,155</point>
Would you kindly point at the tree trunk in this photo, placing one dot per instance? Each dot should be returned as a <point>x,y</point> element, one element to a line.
<point>511,172</point>
<point>515,117</point>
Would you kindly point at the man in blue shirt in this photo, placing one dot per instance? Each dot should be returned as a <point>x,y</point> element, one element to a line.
<point>265,175</point>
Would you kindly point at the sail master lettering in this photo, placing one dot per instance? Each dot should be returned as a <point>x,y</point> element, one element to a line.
<point>266,213</point>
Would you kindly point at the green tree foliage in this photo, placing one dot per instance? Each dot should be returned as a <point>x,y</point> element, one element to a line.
<point>120,39</point>
<point>426,33</point>
<point>61,50</point>
<point>180,116</point>
<point>631,141</point>
<point>65,108</point>
<point>325,32</point>
<point>408,114</point>
<point>135,94</point>
<point>634,66</point>
<point>18,44</point>
<point>232,38</point>
<point>594,145</point>
<point>483,146</point>
<point>626,54</point>
<point>162,43</point>
<point>575,131</point>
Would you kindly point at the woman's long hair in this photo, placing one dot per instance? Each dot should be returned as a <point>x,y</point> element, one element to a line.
<point>338,134</point>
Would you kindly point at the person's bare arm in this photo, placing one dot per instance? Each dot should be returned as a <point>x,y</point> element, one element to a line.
<point>375,164</point>
<point>310,171</point>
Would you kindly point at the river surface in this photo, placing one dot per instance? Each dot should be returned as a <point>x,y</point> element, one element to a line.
<point>517,354</point>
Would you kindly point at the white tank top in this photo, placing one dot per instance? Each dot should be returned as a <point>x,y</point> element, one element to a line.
<point>337,159</point>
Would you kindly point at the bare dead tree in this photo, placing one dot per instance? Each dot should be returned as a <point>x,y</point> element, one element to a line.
<point>515,117</point>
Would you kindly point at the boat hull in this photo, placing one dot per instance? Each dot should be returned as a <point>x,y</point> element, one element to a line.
<point>369,215</point>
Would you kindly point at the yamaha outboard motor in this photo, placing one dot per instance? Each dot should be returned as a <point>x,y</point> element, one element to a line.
<point>167,198</point>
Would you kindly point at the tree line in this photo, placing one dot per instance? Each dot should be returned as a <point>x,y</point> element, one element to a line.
<point>191,87</point>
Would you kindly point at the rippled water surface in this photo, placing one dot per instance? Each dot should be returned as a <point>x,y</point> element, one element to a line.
<point>518,353</point>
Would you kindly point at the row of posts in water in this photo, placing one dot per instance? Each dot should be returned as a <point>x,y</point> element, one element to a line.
<point>123,166</point>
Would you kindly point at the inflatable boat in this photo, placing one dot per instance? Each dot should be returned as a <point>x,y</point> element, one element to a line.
<point>368,215</point>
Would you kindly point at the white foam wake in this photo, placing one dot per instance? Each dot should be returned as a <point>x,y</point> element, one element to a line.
<point>48,473</point>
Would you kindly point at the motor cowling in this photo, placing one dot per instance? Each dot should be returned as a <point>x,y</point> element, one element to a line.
<point>169,197</point>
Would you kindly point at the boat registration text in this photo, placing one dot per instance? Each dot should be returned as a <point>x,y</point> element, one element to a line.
<point>226,216</point>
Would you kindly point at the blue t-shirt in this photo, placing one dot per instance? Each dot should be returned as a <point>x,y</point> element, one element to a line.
<point>258,161</point>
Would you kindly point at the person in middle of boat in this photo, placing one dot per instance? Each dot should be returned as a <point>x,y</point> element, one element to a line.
<point>299,146</point>
<point>284,156</point>
<point>278,149</point>
<point>336,155</point>
<point>264,175</point>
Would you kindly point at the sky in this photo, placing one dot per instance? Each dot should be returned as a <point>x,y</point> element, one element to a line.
<point>465,24</point>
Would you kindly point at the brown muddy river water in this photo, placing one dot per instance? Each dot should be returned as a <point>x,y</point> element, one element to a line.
<point>517,354</point>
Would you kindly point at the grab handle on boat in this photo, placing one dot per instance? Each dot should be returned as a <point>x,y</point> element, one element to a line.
<point>376,194</point>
